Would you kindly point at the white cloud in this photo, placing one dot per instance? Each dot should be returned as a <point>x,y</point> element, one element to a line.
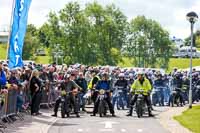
<point>170,13</point>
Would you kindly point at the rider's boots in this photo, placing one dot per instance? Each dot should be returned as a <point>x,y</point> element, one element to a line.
<point>149,111</point>
<point>130,112</point>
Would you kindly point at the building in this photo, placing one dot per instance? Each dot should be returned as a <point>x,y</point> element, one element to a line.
<point>178,42</point>
<point>4,36</point>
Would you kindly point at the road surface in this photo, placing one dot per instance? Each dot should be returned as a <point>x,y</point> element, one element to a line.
<point>119,124</point>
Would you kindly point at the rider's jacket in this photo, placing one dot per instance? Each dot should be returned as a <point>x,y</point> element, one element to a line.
<point>145,86</point>
<point>177,82</point>
<point>159,82</point>
<point>103,84</point>
<point>122,83</point>
<point>68,86</point>
<point>185,85</point>
<point>82,83</point>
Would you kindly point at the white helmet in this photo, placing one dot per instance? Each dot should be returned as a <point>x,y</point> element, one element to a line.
<point>131,75</point>
<point>140,72</point>
<point>121,75</point>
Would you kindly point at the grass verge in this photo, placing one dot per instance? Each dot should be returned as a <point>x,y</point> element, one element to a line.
<point>190,119</point>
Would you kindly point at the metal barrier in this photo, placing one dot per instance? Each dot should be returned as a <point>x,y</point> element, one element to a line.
<point>49,95</point>
<point>11,102</point>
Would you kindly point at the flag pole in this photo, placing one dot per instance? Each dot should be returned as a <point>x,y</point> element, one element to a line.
<point>10,28</point>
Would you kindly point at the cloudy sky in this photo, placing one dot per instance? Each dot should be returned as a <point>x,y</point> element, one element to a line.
<point>169,13</point>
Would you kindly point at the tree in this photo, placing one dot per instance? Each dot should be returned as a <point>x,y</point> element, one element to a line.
<point>196,39</point>
<point>31,42</point>
<point>148,43</point>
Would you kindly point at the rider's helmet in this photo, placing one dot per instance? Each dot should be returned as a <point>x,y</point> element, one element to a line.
<point>131,75</point>
<point>142,73</point>
<point>121,75</point>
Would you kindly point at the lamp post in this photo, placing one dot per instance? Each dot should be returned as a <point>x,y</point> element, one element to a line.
<point>57,53</point>
<point>192,18</point>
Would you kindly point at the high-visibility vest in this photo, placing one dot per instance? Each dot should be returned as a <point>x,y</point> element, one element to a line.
<point>90,85</point>
<point>146,86</point>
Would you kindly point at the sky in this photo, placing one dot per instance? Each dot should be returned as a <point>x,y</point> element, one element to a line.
<point>171,14</point>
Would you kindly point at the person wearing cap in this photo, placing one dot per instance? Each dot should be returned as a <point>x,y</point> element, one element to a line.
<point>2,76</point>
<point>141,83</point>
<point>68,86</point>
<point>104,84</point>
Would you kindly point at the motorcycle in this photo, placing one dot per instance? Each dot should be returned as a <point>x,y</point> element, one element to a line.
<point>175,98</point>
<point>196,93</point>
<point>140,106</point>
<point>103,107</point>
<point>66,105</point>
<point>158,96</point>
<point>120,99</point>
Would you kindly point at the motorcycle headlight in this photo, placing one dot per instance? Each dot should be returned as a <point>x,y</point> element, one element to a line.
<point>198,86</point>
<point>102,91</point>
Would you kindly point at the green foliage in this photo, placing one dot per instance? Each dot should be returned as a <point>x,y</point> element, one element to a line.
<point>148,43</point>
<point>190,119</point>
<point>90,36</point>
<point>196,39</point>
<point>31,43</point>
<point>96,35</point>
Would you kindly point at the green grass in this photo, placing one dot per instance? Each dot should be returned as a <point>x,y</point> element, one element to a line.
<point>42,59</point>
<point>3,51</point>
<point>190,119</point>
<point>182,63</point>
<point>126,62</point>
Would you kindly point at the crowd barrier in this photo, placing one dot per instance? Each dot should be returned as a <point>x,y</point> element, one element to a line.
<point>49,94</point>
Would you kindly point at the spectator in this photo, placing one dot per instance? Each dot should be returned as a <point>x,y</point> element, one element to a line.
<point>2,76</point>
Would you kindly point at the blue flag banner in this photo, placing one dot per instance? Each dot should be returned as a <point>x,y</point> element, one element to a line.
<point>19,24</point>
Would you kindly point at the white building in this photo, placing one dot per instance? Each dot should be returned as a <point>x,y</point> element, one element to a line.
<point>4,36</point>
<point>178,42</point>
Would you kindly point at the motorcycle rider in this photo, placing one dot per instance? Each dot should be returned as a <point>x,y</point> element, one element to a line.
<point>177,83</point>
<point>122,85</point>
<point>68,85</point>
<point>104,84</point>
<point>83,84</point>
<point>159,82</point>
<point>141,83</point>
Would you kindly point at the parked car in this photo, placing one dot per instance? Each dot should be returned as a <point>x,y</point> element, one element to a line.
<point>40,52</point>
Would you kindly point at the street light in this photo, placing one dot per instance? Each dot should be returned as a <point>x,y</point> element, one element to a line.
<point>192,18</point>
<point>57,53</point>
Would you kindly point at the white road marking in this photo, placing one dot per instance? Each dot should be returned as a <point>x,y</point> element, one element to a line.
<point>123,130</point>
<point>106,130</point>
<point>140,130</point>
<point>80,130</point>
<point>108,124</point>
